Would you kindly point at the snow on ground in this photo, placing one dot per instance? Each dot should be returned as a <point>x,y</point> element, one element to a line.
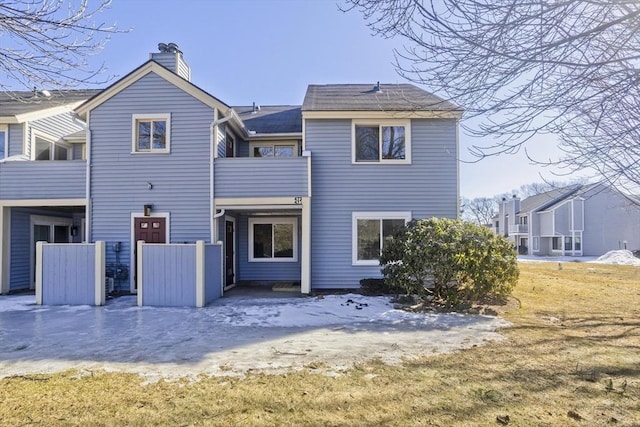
<point>622,257</point>
<point>619,257</point>
<point>231,336</point>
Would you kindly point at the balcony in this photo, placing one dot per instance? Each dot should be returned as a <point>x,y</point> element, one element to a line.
<point>261,177</point>
<point>518,229</point>
<point>23,180</point>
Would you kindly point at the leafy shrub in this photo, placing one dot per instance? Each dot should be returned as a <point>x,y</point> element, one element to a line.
<point>450,260</point>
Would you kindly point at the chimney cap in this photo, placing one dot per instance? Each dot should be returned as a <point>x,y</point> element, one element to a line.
<point>168,48</point>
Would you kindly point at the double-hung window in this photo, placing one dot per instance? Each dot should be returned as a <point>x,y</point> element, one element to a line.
<point>273,239</point>
<point>369,232</point>
<point>151,133</point>
<point>381,142</point>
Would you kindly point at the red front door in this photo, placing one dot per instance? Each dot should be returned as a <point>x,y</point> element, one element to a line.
<point>150,230</point>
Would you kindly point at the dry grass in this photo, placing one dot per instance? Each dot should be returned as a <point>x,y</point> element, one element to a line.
<point>572,358</point>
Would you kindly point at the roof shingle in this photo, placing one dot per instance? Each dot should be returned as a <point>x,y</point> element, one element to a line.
<point>365,97</point>
<point>21,102</point>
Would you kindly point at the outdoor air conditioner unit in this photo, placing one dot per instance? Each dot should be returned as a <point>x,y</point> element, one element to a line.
<point>109,285</point>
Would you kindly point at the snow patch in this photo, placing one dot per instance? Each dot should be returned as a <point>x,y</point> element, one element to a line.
<point>229,337</point>
<point>619,257</point>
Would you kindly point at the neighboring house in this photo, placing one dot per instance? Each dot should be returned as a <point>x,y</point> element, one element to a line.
<point>42,177</point>
<point>575,220</point>
<point>304,194</point>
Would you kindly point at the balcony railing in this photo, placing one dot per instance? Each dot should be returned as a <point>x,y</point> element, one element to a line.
<point>518,228</point>
<point>261,177</point>
<point>21,180</point>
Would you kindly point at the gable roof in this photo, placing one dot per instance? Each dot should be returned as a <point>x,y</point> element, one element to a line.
<point>547,199</point>
<point>151,66</point>
<point>366,97</point>
<point>271,119</point>
<point>21,106</point>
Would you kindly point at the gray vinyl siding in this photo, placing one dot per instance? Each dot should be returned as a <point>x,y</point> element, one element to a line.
<point>261,177</point>
<point>172,61</point>
<point>57,126</point>
<point>222,140</point>
<point>180,179</point>
<point>546,223</point>
<point>259,271</point>
<point>16,139</point>
<point>43,180</point>
<point>213,272</point>
<point>76,151</point>
<point>242,148</point>
<point>562,218</point>
<point>578,214</point>
<point>427,188</point>
<point>20,247</point>
<point>609,220</point>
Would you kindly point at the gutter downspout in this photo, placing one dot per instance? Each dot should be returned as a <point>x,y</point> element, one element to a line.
<point>87,207</point>
<point>213,132</point>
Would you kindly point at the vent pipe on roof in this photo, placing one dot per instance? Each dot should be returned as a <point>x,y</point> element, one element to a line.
<point>377,88</point>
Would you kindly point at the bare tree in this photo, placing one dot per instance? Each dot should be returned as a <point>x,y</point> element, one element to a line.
<point>46,43</point>
<point>480,210</point>
<point>569,68</point>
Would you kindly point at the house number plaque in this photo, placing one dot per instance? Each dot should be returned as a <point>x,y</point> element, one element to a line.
<point>297,200</point>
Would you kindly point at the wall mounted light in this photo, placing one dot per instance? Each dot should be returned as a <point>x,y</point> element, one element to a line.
<point>147,210</point>
<point>149,186</point>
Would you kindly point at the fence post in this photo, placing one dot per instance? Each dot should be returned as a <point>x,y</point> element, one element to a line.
<point>99,273</point>
<point>39,272</point>
<point>200,274</point>
<point>139,244</point>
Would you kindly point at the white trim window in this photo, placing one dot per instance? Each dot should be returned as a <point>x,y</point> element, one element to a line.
<point>273,239</point>
<point>381,141</point>
<point>4,141</point>
<point>536,244</point>
<point>369,231</point>
<point>44,147</point>
<point>150,133</point>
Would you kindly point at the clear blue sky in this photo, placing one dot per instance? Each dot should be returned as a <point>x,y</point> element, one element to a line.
<point>268,51</point>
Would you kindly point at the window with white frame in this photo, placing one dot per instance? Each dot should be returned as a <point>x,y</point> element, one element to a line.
<point>4,141</point>
<point>381,142</point>
<point>556,243</point>
<point>369,232</point>
<point>278,149</point>
<point>44,147</point>
<point>273,239</point>
<point>151,133</point>
<point>536,243</point>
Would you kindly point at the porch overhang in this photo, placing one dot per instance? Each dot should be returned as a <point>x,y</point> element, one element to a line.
<point>259,203</point>
<point>301,204</point>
